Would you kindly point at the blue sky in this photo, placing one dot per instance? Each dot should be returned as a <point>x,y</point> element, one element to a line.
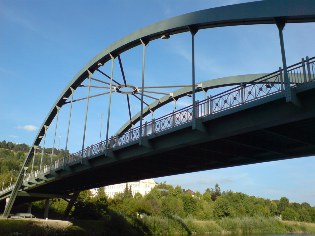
<point>43,44</point>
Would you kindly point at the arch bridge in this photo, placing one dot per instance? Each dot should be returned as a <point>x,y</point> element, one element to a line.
<point>247,119</point>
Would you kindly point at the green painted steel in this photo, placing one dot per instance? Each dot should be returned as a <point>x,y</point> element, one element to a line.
<point>262,12</point>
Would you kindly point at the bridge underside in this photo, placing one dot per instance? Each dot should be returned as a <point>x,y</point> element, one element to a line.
<point>265,130</point>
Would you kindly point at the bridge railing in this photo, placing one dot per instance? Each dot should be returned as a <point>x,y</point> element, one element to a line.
<point>7,189</point>
<point>267,85</point>
<point>158,125</point>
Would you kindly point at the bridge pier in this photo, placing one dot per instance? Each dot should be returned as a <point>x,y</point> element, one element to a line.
<point>71,203</point>
<point>46,211</point>
<point>29,208</point>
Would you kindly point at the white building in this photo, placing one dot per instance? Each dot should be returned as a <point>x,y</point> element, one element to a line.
<point>143,187</point>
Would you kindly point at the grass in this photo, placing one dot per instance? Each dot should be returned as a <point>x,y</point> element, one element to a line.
<point>152,225</point>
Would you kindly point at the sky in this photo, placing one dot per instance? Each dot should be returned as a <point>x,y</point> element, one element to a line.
<point>44,44</point>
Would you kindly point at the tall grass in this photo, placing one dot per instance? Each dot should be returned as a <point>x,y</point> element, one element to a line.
<point>155,225</point>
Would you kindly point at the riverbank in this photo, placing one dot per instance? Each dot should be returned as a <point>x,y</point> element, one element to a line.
<point>154,226</point>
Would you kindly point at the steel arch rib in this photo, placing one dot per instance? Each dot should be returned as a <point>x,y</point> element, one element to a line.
<point>261,12</point>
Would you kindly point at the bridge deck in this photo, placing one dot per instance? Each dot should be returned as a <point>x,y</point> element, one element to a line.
<point>242,135</point>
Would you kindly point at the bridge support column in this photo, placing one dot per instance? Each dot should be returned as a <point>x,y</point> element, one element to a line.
<point>280,22</point>
<point>7,202</point>
<point>17,186</point>
<point>29,208</point>
<point>193,30</point>
<point>71,203</point>
<point>46,211</point>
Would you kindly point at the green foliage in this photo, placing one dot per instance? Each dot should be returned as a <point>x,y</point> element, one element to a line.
<point>167,209</point>
<point>290,214</point>
<point>13,155</point>
<point>252,225</point>
<point>283,204</point>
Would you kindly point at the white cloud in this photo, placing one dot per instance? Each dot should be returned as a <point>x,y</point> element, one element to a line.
<point>13,136</point>
<point>30,128</point>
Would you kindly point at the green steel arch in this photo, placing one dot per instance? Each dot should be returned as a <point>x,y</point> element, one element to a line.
<point>260,12</point>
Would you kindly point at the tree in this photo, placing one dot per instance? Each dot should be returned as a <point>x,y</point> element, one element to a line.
<point>101,193</point>
<point>283,204</point>
<point>190,204</point>
<point>207,195</point>
<point>172,206</point>
<point>290,214</point>
<point>127,192</point>
<point>222,208</point>
<point>217,192</point>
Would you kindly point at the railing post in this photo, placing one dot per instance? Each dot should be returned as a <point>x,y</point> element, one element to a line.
<point>304,70</point>
<point>308,69</point>
<point>243,86</point>
<point>210,105</point>
<point>281,79</point>
<point>153,126</point>
<point>173,118</point>
<point>197,109</point>
<point>130,135</point>
<point>207,106</point>
<point>145,128</point>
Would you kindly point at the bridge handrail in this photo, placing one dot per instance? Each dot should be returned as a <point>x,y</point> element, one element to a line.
<point>261,87</point>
